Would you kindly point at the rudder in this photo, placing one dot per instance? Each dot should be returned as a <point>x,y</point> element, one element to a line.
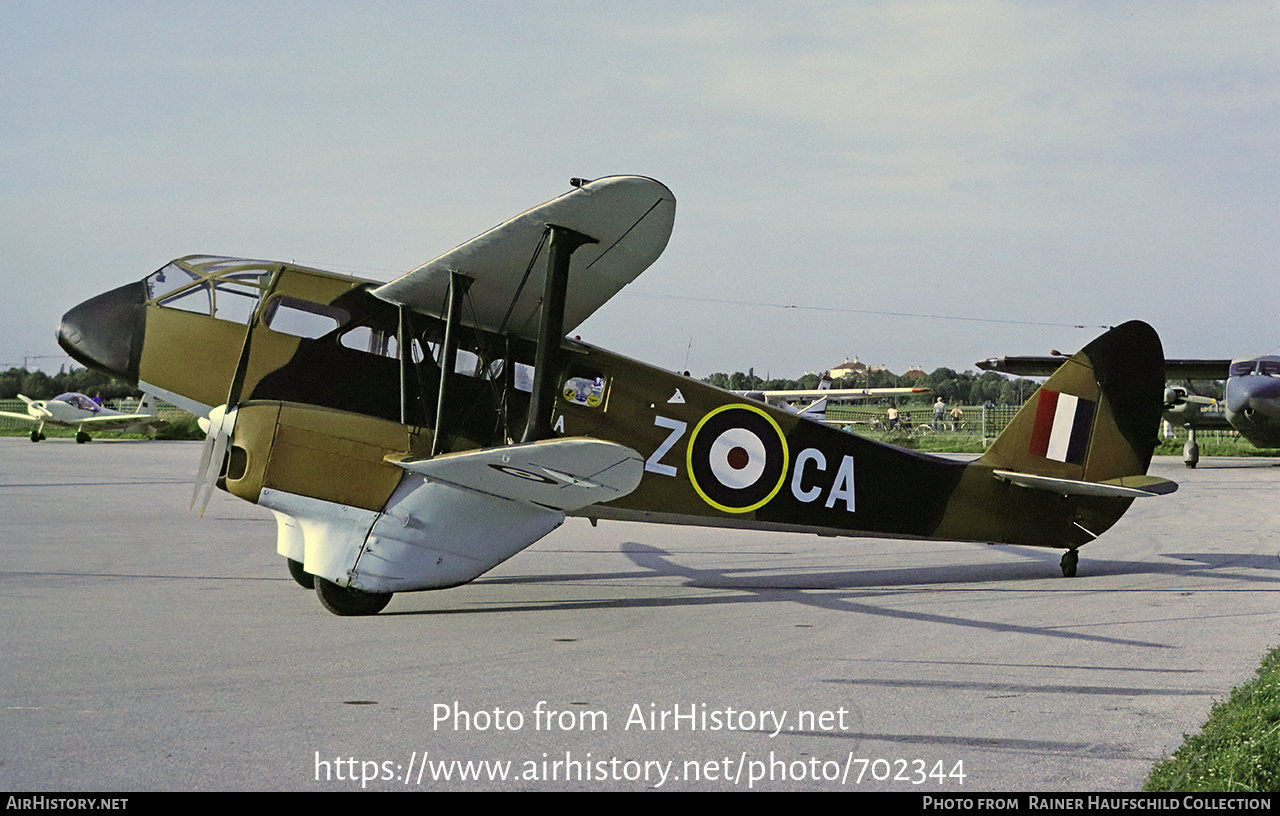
<point>1096,419</point>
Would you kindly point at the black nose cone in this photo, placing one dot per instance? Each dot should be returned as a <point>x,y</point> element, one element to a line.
<point>105,332</point>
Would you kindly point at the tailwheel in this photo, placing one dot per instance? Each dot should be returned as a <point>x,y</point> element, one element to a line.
<point>303,578</point>
<point>1070,559</point>
<point>82,438</point>
<point>346,601</point>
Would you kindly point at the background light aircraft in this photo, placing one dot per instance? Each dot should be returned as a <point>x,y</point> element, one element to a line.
<point>414,434</point>
<point>822,396</point>
<point>1252,403</point>
<point>75,410</point>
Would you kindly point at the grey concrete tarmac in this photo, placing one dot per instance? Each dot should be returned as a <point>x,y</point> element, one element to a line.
<point>144,648</point>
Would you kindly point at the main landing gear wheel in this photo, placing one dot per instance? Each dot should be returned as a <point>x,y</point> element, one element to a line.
<point>1070,559</point>
<point>82,438</point>
<point>304,579</point>
<point>349,602</point>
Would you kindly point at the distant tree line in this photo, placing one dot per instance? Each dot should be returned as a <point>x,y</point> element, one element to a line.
<point>39,385</point>
<point>967,388</point>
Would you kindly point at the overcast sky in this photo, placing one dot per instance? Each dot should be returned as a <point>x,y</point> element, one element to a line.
<point>841,169</point>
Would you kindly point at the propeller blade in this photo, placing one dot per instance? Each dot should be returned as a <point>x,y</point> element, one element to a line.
<point>217,438</point>
<point>211,475</point>
<point>206,453</point>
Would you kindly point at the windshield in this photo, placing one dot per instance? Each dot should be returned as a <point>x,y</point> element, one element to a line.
<point>1265,366</point>
<point>78,400</point>
<point>224,288</point>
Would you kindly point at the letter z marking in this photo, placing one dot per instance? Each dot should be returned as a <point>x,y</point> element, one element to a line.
<point>652,464</point>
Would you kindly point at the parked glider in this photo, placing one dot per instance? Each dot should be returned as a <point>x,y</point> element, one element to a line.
<point>414,434</point>
<point>75,410</point>
<point>1251,407</point>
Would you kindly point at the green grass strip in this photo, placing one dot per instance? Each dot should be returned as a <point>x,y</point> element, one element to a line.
<point>1238,749</point>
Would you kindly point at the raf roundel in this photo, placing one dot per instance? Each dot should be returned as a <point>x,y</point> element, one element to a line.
<point>737,458</point>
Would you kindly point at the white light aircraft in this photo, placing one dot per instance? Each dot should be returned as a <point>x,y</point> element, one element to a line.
<point>75,410</point>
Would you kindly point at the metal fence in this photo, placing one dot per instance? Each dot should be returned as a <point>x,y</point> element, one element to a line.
<point>976,421</point>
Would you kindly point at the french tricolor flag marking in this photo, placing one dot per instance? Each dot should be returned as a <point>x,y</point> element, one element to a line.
<point>1062,427</point>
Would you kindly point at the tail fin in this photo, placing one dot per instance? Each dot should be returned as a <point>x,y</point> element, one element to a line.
<point>1096,419</point>
<point>148,404</point>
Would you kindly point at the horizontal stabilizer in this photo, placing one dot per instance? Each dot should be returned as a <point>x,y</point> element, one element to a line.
<point>563,474</point>
<point>1030,366</point>
<point>1127,487</point>
<point>630,218</point>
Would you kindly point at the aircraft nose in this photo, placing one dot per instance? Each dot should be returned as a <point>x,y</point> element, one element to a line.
<point>1244,393</point>
<point>105,332</point>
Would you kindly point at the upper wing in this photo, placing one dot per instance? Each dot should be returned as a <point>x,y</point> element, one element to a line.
<point>833,393</point>
<point>1045,366</point>
<point>629,216</point>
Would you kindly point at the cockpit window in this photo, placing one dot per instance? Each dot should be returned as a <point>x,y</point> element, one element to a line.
<point>225,288</point>
<point>1268,367</point>
<point>194,299</point>
<point>168,279</point>
<point>236,297</point>
<point>78,400</point>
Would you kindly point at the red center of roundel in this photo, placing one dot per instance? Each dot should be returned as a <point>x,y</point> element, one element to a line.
<point>738,458</point>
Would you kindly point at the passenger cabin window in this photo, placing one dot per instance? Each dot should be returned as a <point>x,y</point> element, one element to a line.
<point>371,341</point>
<point>522,376</point>
<point>301,318</point>
<point>467,363</point>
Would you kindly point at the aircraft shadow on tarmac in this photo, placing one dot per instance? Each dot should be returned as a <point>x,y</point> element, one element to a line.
<point>1037,565</point>
<point>816,590</point>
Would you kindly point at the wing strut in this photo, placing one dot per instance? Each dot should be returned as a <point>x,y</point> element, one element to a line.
<point>411,410</point>
<point>458,285</point>
<point>546,369</point>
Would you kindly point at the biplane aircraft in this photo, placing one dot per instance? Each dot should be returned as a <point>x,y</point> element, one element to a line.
<point>76,410</point>
<point>412,435</point>
<point>793,399</point>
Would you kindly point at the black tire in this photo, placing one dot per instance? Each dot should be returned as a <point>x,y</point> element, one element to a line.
<point>82,438</point>
<point>1070,560</point>
<point>36,436</point>
<point>349,602</point>
<point>303,578</point>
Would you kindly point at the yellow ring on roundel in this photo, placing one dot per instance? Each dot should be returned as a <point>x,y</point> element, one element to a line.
<point>693,438</point>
